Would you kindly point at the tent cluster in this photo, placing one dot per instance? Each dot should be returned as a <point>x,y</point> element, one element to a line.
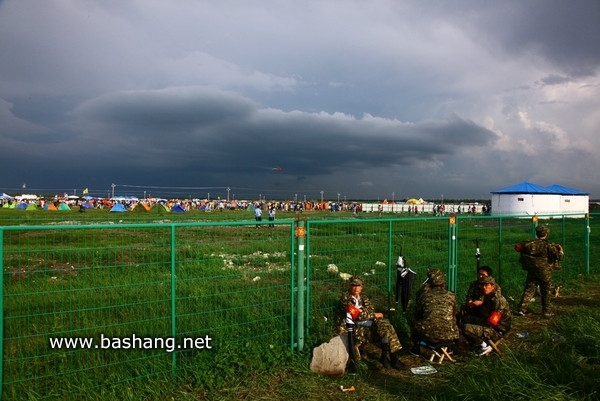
<point>145,208</point>
<point>30,206</point>
<point>117,207</point>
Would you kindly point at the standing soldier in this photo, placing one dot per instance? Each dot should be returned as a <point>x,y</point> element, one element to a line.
<point>435,314</point>
<point>368,324</point>
<point>538,257</point>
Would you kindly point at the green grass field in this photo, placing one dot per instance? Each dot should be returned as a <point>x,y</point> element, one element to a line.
<point>159,275</point>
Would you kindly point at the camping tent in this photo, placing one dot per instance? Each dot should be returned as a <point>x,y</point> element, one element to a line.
<point>31,206</point>
<point>531,199</point>
<point>178,209</point>
<point>140,207</point>
<point>118,207</point>
<point>50,206</point>
<point>159,208</point>
<point>64,207</point>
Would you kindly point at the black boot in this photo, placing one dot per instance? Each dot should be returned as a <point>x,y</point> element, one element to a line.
<point>385,351</point>
<point>397,363</point>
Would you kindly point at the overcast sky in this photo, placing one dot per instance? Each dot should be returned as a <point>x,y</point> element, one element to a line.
<point>369,99</point>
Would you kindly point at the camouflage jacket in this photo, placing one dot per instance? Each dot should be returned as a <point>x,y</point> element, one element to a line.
<point>539,255</point>
<point>364,304</point>
<point>435,315</point>
<point>494,302</point>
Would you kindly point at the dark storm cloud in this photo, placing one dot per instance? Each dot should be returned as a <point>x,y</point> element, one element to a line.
<point>206,130</point>
<point>353,97</point>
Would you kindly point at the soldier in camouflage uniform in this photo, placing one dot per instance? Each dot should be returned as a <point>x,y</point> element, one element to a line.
<point>434,320</point>
<point>538,257</point>
<point>490,321</point>
<point>474,297</point>
<point>369,325</point>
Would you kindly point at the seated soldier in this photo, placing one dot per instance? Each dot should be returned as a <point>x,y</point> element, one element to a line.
<point>490,321</point>
<point>474,297</point>
<point>434,320</point>
<point>367,323</point>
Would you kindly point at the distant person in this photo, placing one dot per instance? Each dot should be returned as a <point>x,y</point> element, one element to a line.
<point>490,321</point>
<point>434,320</point>
<point>257,214</point>
<point>539,257</point>
<point>272,215</point>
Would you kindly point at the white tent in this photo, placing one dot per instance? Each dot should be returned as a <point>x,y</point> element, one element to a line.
<point>25,197</point>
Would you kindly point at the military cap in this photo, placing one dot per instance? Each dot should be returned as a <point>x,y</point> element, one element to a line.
<point>540,231</point>
<point>354,280</point>
<point>435,277</point>
<point>486,280</point>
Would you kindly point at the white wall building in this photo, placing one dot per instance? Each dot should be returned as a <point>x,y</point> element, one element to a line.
<point>530,199</point>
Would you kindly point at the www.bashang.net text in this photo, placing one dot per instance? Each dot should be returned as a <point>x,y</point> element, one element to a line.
<point>169,344</point>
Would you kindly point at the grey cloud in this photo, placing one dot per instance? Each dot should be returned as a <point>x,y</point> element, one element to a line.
<point>555,80</point>
<point>411,96</point>
<point>227,131</point>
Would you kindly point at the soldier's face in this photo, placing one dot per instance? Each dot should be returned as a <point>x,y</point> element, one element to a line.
<point>356,289</point>
<point>488,288</point>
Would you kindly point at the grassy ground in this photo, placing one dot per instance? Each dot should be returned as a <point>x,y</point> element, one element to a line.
<point>557,360</point>
<point>544,359</point>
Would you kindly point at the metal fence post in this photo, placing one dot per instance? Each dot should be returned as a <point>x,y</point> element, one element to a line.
<point>452,254</point>
<point>391,265</point>
<point>173,299</point>
<point>1,311</point>
<point>586,236</point>
<point>300,234</point>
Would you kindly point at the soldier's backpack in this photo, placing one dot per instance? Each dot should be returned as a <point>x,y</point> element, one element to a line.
<point>538,253</point>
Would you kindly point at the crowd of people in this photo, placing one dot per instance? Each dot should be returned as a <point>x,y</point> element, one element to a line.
<point>437,320</point>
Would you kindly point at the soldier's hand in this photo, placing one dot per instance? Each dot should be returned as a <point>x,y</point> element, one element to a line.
<point>378,315</point>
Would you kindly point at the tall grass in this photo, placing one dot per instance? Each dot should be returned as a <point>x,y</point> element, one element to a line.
<point>235,284</point>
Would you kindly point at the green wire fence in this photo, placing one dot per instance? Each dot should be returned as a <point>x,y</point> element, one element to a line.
<point>103,306</point>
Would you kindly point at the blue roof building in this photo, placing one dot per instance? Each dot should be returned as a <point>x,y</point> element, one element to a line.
<point>528,199</point>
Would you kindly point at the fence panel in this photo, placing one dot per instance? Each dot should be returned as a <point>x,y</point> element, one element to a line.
<point>136,291</point>
<point>235,285</point>
<point>368,248</point>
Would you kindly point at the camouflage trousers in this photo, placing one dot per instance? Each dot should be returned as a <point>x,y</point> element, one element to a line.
<point>379,330</point>
<point>433,334</point>
<point>544,280</point>
<point>475,333</point>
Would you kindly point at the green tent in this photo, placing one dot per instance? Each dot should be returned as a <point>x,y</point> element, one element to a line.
<point>160,208</point>
<point>140,208</point>
<point>31,206</point>
<point>64,206</point>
